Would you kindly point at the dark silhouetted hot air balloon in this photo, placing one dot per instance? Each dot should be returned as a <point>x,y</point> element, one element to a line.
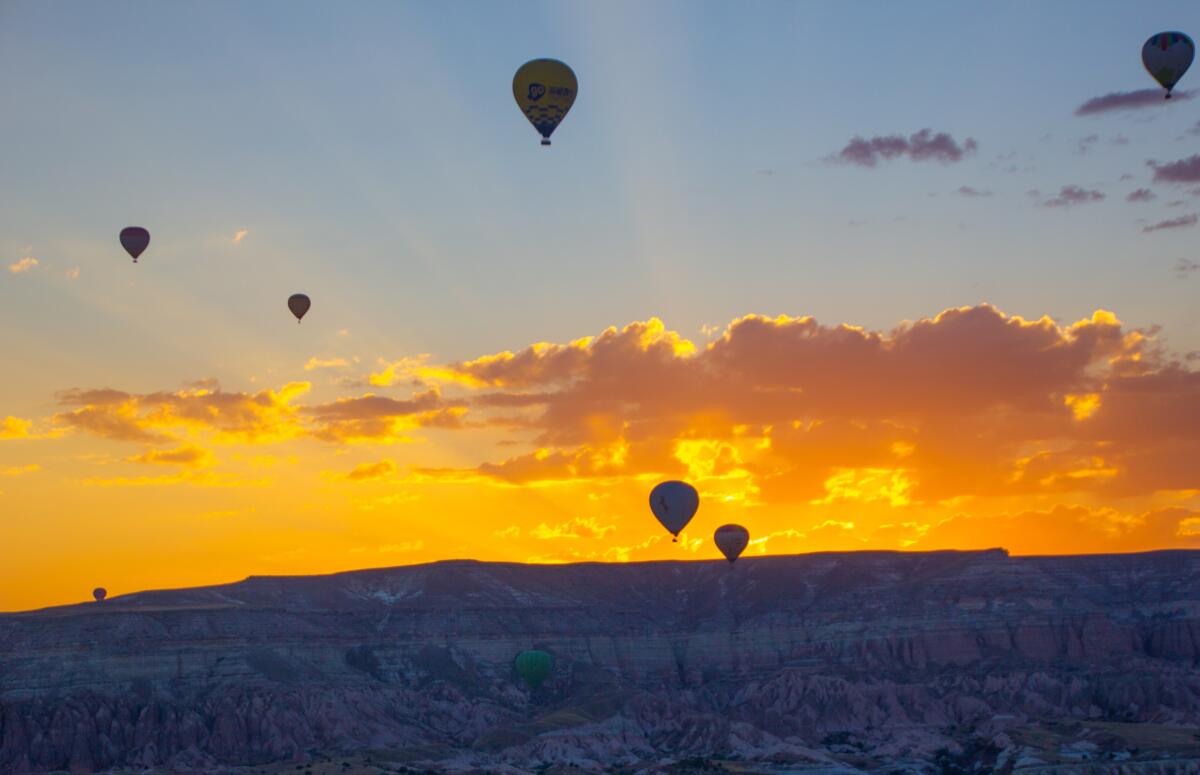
<point>298,303</point>
<point>732,541</point>
<point>134,239</point>
<point>534,667</point>
<point>1167,56</point>
<point>674,503</point>
<point>99,593</point>
<point>545,90</point>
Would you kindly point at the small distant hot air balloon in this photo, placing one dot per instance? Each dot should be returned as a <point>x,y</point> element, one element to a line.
<point>1167,56</point>
<point>534,667</point>
<point>298,303</point>
<point>732,541</point>
<point>99,593</point>
<point>674,503</point>
<point>545,90</point>
<point>134,239</point>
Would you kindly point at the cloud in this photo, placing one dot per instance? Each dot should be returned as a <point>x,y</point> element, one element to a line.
<point>1086,530</point>
<point>586,527</point>
<point>1141,195</point>
<point>240,235</point>
<point>14,428</point>
<point>157,417</point>
<point>187,455</point>
<point>1181,171</point>
<point>415,370</point>
<point>328,363</point>
<point>1085,143</point>
<point>380,419</point>
<point>20,470</point>
<point>968,191</point>
<point>368,471</point>
<point>72,274</point>
<point>1184,267</point>
<point>1128,100</point>
<point>1069,196</point>
<point>922,146</point>
<point>970,402</point>
<point>1182,222</point>
<point>187,477</point>
<point>26,264</point>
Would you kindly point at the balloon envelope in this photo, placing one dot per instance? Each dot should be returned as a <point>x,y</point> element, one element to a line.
<point>135,240</point>
<point>732,541</point>
<point>674,503</point>
<point>534,667</point>
<point>298,303</point>
<point>1167,56</point>
<point>99,593</point>
<point>545,90</point>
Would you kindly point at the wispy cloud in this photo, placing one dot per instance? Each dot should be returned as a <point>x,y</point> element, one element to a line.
<point>20,470</point>
<point>369,471</point>
<point>240,235</point>
<point>14,428</point>
<point>1128,100</point>
<point>1181,171</point>
<point>587,527</point>
<point>187,455</point>
<point>970,191</point>
<point>1185,267</point>
<point>26,264</point>
<point>1182,222</point>
<point>1069,196</point>
<point>922,146</point>
<point>1141,195</point>
<point>325,363</point>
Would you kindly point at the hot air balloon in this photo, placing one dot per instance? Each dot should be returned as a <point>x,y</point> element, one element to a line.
<point>534,667</point>
<point>674,503</point>
<point>732,541</point>
<point>99,593</point>
<point>298,303</point>
<point>1167,56</point>
<point>545,90</point>
<point>134,239</point>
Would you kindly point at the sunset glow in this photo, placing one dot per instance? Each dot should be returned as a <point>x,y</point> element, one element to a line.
<point>846,330</point>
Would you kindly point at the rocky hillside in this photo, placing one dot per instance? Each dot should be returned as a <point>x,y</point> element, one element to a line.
<point>872,661</point>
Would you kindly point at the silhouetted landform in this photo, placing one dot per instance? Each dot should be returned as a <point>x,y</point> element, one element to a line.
<point>871,661</point>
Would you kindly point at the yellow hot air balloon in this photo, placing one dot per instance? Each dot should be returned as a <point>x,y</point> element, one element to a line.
<point>545,90</point>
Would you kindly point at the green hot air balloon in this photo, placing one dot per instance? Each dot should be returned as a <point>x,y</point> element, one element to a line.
<point>534,667</point>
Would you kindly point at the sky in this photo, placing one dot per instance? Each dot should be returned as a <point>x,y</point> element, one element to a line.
<point>872,276</point>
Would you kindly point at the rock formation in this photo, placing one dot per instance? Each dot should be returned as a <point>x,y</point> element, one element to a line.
<point>871,661</point>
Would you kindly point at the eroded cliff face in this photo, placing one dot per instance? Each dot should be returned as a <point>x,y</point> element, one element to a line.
<point>863,661</point>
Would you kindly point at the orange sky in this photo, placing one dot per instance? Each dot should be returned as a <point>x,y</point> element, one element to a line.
<point>970,428</point>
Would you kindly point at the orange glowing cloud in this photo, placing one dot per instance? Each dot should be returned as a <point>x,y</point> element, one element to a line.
<point>970,402</point>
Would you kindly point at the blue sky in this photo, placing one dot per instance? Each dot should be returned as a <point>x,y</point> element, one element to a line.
<point>374,155</point>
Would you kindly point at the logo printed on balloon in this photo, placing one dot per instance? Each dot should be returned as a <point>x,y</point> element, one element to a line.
<point>544,90</point>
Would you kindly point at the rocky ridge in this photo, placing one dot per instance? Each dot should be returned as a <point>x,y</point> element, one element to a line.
<point>871,661</point>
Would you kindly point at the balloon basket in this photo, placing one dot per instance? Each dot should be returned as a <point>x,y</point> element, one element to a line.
<point>545,141</point>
